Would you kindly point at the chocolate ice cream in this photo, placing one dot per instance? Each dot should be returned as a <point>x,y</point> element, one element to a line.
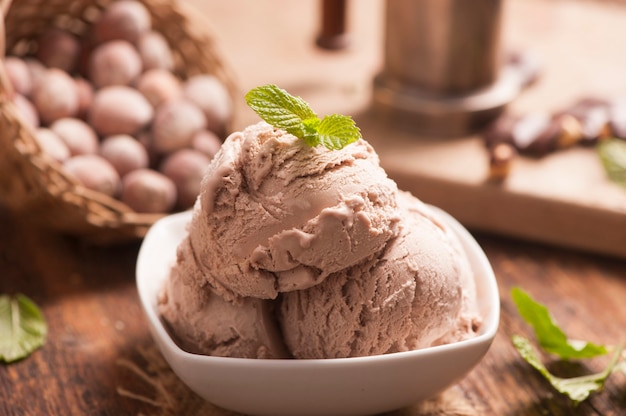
<point>416,292</point>
<point>305,252</point>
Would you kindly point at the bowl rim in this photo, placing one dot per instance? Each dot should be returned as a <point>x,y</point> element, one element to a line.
<point>487,288</point>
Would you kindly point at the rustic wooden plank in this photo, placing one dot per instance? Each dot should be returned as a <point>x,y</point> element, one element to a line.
<point>98,335</point>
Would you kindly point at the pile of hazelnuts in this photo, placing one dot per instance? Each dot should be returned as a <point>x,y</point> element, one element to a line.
<point>109,108</point>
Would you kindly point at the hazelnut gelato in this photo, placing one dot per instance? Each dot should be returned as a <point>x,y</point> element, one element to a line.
<point>304,252</point>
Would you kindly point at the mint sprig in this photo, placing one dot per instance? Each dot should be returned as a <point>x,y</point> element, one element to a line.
<point>294,115</point>
<point>553,340</point>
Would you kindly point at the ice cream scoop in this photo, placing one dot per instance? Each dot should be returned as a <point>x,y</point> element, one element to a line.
<point>286,215</point>
<point>417,292</point>
<point>205,323</point>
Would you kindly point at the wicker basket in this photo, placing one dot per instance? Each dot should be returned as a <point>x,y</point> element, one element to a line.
<point>33,184</point>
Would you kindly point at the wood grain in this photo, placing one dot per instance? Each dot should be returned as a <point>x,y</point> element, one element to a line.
<point>99,358</point>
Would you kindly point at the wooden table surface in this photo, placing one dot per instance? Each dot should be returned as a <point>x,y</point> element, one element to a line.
<point>99,358</point>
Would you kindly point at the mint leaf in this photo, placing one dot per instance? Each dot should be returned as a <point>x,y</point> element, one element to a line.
<point>549,335</point>
<point>294,115</point>
<point>576,388</point>
<point>612,153</point>
<point>22,328</point>
<point>336,131</point>
<point>280,109</point>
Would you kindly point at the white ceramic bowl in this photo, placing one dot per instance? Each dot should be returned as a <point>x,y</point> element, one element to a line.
<point>339,386</point>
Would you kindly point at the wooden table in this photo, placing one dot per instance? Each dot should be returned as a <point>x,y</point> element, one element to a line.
<point>99,358</point>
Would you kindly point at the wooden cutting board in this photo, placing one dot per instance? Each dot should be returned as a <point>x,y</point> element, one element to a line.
<point>561,199</point>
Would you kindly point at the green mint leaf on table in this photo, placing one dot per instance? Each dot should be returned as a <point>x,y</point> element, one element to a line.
<point>576,388</point>
<point>22,327</point>
<point>294,115</point>
<point>612,153</point>
<point>550,337</point>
